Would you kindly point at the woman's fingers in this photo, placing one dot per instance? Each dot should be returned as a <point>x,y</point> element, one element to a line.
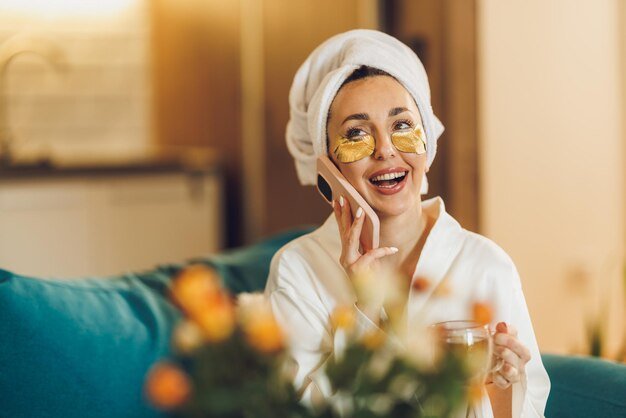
<point>508,356</point>
<point>514,345</point>
<point>351,242</point>
<point>514,354</point>
<point>372,255</point>
<point>350,229</point>
<point>500,381</point>
<point>337,213</point>
<point>346,215</point>
<point>510,373</point>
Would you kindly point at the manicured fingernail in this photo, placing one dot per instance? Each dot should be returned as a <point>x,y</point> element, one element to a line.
<point>341,201</point>
<point>393,250</point>
<point>359,212</point>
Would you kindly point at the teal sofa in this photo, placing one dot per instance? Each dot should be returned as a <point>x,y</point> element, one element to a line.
<point>81,348</point>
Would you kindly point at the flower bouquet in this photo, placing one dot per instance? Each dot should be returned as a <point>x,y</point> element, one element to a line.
<point>232,360</point>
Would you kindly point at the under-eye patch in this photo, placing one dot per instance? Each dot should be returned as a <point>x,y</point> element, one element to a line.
<point>410,141</point>
<point>350,150</point>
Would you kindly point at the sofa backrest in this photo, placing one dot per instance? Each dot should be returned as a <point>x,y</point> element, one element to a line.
<point>81,348</point>
<point>584,387</point>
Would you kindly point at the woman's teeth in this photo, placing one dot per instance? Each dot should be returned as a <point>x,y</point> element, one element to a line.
<point>388,176</point>
<point>388,180</point>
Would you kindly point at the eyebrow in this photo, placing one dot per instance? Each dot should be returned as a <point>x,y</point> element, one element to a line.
<point>364,116</point>
<point>356,116</point>
<point>397,110</point>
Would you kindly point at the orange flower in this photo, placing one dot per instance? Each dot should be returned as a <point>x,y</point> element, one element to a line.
<point>343,317</point>
<point>420,284</point>
<point>217,319</point>
<point>195,288</point>
<point>373,340</point>
<point>264,334</point>
<point>482,312</point>
<point>167,386</point>
<point>258,323</point>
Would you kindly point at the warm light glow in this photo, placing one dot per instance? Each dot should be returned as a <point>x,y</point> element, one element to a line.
<point>63,8</point>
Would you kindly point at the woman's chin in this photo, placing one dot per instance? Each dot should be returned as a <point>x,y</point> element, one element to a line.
<point>389,210</point>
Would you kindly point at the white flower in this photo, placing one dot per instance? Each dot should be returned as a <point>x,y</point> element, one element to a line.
<point>187,336</point>
<point>421,348</point>
<point>251,305</point>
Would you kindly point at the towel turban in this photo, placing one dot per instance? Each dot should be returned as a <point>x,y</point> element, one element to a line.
<point>319,78</point>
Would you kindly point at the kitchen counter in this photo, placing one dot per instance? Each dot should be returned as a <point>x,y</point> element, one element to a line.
<point>101,216</point>
<point>158,160</point>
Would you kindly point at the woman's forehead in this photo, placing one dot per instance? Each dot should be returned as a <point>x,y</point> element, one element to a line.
<point>375,96</point>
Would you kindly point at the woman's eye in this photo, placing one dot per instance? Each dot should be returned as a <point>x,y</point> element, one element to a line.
<point>355,133</point>
<point>402,125</point>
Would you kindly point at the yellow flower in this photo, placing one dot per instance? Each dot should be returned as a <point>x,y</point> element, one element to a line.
<point>259,325</point>
<point>264,334</point>
<point>374,339</point>
<point>195,288</point>
<point>475,392</point>
<point>167,386</point>
<point>482,312</point>
<point>343,317</point>
<point>217,319</point>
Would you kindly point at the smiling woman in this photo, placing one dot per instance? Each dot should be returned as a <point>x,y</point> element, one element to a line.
<point>362,99</point>
<point>393,126</point>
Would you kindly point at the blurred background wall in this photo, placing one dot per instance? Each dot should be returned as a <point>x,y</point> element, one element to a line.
<point>531,93</point>
<point>552,157</point>
<point>91,59</point>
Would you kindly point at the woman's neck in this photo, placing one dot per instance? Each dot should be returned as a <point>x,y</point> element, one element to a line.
<point>407,232</point>
<point>402,231</point>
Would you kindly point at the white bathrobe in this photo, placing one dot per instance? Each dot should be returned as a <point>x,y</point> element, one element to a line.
<point>306,283</point>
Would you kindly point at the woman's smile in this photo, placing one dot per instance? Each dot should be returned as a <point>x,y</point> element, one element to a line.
<point>389,181</point>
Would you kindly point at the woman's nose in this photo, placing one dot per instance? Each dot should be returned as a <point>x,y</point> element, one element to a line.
<point>384,148</point>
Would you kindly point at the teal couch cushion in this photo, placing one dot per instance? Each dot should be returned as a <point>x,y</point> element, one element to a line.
<point>585,387</point>
<point>81,348</point>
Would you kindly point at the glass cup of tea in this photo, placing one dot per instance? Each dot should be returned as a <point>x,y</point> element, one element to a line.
<point>471,341</point>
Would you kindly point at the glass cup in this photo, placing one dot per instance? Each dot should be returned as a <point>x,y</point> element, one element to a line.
<point>471,341</point>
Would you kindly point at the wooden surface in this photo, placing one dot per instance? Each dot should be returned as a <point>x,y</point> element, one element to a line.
<point>443,34</point>
<point>196,84</point>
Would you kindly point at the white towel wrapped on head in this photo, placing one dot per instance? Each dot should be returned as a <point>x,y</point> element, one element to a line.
<point>317,81</point>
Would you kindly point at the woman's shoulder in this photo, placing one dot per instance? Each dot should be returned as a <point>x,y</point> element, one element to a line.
<point>470,247</point>
<point>304,258</point>
<point>488,258</point>
<point>483,247</point>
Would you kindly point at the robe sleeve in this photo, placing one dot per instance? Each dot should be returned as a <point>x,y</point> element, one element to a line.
<point>530,395</point>
<point>306,322</point>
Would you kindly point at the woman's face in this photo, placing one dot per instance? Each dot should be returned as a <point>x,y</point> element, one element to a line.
<point>378,106</point>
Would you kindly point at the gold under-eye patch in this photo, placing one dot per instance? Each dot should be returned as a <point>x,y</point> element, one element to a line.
<point>410,141</point>
<point>350,150</point>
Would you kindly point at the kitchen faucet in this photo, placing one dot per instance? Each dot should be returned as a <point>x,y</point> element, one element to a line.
<point>16,45</point>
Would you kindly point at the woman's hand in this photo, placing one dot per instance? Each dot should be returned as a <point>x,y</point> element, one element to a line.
<point>351,258</point>
<point>514,354</point>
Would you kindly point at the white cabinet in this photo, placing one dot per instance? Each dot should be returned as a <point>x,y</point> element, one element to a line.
<point>103,224</point>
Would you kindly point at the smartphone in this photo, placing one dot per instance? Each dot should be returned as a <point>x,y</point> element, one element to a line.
<point>331,184</point>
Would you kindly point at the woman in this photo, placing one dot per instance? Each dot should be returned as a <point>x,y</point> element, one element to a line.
<point>368,90</point>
